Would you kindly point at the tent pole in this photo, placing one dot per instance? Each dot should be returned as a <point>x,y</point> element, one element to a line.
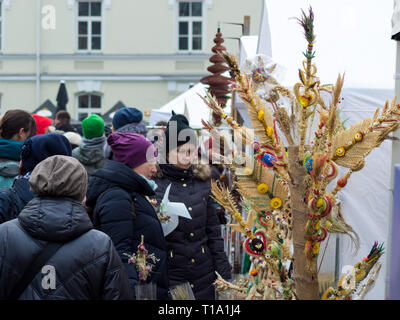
<point>337,260</point>
<point>395,160</point>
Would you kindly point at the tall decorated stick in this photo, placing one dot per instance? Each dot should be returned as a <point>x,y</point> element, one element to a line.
<point>305,91</point>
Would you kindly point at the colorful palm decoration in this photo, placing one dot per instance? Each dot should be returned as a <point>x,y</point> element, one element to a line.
<point>287,184</point>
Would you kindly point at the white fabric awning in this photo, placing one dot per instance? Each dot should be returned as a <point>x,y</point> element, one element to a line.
<point>396,17</point>
<point>188,103</point>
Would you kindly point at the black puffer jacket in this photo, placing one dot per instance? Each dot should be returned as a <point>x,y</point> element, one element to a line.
<point>195,247</point>
<point>87,265</point>
<point>112,192</point>
<point>13,200</point>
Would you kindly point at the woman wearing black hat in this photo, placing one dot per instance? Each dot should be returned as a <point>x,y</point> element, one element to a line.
<point>195,246</point>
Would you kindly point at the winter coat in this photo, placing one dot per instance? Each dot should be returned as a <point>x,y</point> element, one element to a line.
<point>13,200</point>
<point>87,265</point>
<point>90,154</point>
<point>10,154</point>
<point>118,197</point>
<point>195,247</point>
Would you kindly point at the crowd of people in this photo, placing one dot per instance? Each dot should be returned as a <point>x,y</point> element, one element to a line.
<point>83,200</point>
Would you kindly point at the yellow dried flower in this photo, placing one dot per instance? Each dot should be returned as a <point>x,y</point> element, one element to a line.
<point>269,131</point>
<point>275,203</point>
<point>340,152</point>
<point>262,188</point>
<point>260,115</point>
<point>315,248</point>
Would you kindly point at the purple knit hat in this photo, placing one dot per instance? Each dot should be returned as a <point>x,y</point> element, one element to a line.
<point>132,149</point>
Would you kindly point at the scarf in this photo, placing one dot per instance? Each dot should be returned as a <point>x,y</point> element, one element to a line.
<point>93,143</point>
<point>153,185</point>
<point>10,149</point>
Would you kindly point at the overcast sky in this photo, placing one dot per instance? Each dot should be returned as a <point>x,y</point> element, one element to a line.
<point>351,36</point>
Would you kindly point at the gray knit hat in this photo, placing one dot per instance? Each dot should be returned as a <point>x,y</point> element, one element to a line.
<point>59,176</point>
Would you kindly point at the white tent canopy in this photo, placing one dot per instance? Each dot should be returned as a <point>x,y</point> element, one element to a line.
<point>351,37</point>
<point>188,103</point>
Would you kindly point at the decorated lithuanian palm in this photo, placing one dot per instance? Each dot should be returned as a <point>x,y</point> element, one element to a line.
<point>286,185</point>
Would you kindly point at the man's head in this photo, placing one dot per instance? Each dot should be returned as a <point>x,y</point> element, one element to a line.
<point>63,117</point>
<point>63,122</point>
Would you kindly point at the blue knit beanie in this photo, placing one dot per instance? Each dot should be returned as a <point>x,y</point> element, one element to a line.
<point>126,115</point>
<point>40,147</point>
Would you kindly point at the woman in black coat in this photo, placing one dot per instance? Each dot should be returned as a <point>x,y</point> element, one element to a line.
<point>86,266</point>
<point>119,195</point>
<point>195,247</point>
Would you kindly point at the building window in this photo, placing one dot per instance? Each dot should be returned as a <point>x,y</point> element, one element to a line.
<point>190,25</point>
<point>88,104</point>
<point>90,24</point>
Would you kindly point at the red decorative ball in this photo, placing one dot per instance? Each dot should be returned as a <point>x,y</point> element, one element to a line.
<point>342,182</point>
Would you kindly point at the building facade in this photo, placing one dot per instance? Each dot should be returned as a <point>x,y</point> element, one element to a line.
<point>140,53</point>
